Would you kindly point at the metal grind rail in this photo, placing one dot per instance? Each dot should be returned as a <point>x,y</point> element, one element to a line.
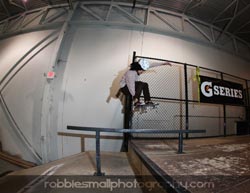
<point>99,130</point>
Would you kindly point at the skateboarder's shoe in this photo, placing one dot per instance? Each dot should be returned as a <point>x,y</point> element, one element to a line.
<point>138,103</point>
<point>149,103</point>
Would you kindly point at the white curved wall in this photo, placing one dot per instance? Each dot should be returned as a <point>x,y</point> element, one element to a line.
<point>23,89</point>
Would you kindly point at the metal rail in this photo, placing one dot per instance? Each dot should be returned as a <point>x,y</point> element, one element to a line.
<point>99,130</point>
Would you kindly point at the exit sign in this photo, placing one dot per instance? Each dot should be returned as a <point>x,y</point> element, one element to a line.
<point>50,75</point>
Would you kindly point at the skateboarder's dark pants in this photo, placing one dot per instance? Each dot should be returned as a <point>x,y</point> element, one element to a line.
<point>139,88</point>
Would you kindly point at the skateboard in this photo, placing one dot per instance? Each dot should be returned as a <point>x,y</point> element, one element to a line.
<point>143,108</point>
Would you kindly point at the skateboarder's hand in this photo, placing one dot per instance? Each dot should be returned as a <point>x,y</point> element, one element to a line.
<point>135,100</point>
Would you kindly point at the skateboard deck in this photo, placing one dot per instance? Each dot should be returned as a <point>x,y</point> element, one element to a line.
<point>143,108</point>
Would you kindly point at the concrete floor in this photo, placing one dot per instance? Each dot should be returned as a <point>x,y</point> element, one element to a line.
<point>207,165</point>
<point>75,174</point>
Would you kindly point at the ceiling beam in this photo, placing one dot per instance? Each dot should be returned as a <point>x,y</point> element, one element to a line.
<point>93,14</point>
<point>50,2</point>
<point>244,32</point>
<point>150,2</point>
<point>70,4</point>
<point>222,12</point>
<point>197,3</point>
<point>134,3</point>
<point>24,5</point>
<point>17,5</point>
<point>225,29</point>
<point>238,30</point>
<point>187,6</point>
<point>5,8</point>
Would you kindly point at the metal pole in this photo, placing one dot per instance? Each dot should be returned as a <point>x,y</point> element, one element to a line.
<point>225,120</point>
<point>224,115</point>
<point>180,144</point>
<point>186,99</point>
<point>98,156</point>
<point>128,104</point>
<point>127,116</point>
<point>247,105</point>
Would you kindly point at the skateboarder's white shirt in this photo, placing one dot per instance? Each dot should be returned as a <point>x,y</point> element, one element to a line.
<point>131,76</point>
<point>129,79</point>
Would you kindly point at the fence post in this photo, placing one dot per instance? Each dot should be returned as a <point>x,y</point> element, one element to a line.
<point>186,100</point>
<point>180,143</point>
<point>224,114</point>
<point>247,105</point>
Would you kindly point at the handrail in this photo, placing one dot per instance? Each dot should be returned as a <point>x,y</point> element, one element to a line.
<point>98,130</point>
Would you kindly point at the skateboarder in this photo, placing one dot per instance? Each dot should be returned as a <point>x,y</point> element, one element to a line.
<point>130,85</point>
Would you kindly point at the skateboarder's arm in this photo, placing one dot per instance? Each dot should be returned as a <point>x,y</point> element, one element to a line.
<point>155,64</point>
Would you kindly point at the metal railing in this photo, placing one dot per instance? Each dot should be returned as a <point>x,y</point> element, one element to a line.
<point>129,131</point>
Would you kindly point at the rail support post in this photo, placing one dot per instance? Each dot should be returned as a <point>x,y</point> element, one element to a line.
<point>98,156</point>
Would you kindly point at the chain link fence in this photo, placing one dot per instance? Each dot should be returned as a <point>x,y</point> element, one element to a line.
<point>176,89</point>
